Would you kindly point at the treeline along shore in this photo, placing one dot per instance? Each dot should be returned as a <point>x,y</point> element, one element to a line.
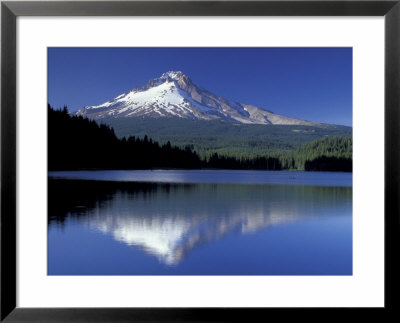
<point>75,142</point>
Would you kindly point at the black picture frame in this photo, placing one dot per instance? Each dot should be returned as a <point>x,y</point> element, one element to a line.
<point>10,10</point>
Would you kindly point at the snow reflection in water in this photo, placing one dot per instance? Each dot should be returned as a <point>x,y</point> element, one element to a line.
<point>170,220</point>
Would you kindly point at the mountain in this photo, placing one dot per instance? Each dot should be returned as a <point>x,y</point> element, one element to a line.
<point>174,94</point>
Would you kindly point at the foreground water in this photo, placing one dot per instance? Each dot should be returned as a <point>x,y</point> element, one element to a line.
<point>199,223</point>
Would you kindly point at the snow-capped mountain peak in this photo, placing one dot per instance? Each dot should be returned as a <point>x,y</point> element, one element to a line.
<point>175,75</point>
<point>173,94</point>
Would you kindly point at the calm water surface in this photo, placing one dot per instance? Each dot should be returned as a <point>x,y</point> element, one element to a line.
<point>199,223</point>
<point>212,176</point>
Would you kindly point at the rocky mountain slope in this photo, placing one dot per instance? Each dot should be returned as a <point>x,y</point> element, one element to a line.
<point>174,94</point>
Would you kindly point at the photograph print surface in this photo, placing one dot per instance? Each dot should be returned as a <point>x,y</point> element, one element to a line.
<point>200,161</point>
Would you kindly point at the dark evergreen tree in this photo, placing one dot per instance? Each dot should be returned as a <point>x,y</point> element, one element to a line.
<point>75,142</point>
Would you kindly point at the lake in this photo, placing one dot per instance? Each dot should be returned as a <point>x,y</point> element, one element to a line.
<point>199,222</point>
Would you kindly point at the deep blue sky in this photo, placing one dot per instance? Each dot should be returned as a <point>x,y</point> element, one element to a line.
<point>308,83</point>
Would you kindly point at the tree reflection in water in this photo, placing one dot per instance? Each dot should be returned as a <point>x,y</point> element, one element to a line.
<point>170,220</point>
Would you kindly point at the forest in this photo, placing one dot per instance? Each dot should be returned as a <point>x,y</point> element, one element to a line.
<point>75,142</point>
<point>231,139</point>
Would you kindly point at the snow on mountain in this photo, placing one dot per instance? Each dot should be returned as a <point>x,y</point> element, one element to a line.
<point>173,94</point>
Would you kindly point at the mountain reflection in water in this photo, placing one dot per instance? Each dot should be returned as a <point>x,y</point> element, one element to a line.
<point>170,220</point>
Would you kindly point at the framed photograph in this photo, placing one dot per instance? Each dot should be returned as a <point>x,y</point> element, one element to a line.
<point>197,161</point>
